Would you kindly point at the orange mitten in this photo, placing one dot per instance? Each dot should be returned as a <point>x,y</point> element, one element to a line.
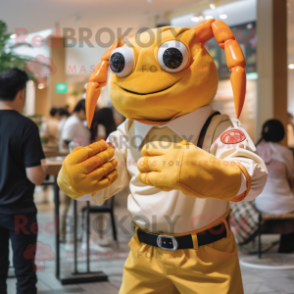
<point>185,167</point>
<point>87,170</point>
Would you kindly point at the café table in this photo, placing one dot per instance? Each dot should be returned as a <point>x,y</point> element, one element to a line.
<point>53,151</point>
<point>54,166</point>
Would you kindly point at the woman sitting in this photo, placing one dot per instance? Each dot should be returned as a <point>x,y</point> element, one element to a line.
<point>277,196</point>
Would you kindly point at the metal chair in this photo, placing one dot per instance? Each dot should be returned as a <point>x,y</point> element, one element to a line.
<point>107,207</point>
<point>277,261</point>
<point>268,217</point>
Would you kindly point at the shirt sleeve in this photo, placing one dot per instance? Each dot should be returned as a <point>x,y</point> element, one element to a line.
<point>243,153</point>
<point>118,138</point>
<point>32,147</point>
<point>101,130</point>
<point>68,131</point>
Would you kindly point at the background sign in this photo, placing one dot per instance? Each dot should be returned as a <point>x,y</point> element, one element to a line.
<point>61,88</point>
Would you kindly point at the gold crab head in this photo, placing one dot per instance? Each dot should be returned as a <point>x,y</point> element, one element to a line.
<point>161,74</point>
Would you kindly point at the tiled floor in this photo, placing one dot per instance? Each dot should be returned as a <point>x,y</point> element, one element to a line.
<point>255,281</point>
<point>110,265</point>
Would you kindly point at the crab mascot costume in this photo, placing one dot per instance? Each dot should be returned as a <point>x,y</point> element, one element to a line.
<point>183,161</point>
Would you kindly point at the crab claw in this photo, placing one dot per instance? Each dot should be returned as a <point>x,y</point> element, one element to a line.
<point>97,80</point>
<point>92,95</point>
<point>238,82</point>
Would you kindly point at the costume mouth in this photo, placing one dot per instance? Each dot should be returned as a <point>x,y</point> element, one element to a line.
<point>148,93</point>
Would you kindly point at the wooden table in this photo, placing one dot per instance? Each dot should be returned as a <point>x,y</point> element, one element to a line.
<point>53,151</point>
<point>54,166</point>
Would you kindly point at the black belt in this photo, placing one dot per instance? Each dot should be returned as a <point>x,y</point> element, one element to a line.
<point>172,243</point>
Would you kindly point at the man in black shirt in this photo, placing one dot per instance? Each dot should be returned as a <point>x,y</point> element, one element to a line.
<point>22,166</point>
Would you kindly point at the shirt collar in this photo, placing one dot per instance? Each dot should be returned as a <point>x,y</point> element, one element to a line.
<point>187,126</point>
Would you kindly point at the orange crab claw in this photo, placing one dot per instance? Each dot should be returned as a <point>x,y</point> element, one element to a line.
<point>238,82</point>
<point>92,95</point>
<point>234,55</point>
<point>97,80</point>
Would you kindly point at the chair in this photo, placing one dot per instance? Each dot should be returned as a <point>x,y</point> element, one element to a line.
<point>271,224</point>
<point>107,207</point>
<point>270,230</point>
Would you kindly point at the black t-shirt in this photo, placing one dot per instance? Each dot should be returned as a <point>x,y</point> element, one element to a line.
<point>20,147</point>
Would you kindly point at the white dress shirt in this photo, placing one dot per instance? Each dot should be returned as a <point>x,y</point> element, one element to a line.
<point>174,212</point>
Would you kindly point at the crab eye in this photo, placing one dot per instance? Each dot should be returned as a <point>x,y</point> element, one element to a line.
<point>173,56</point>
<point>121,61</point>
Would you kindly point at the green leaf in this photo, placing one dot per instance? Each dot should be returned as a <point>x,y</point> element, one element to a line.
<point>8,59</point>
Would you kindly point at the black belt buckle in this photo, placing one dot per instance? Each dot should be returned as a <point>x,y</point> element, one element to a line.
<point>168,243</point>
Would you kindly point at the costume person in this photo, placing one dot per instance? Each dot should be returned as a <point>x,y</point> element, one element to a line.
<point>194,160</point>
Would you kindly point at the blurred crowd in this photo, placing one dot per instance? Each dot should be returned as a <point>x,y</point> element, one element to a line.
<point>64,127</point>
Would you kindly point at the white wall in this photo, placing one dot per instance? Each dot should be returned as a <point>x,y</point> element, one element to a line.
<point>83,60</point>
<point>30,104</point>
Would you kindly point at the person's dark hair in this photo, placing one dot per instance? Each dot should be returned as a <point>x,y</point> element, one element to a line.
<point>105,118</point>
<point>53,111</point>
<point>272,131</point>
<point>11,82</point>
<point>80,105</point>
<point>63,112</point>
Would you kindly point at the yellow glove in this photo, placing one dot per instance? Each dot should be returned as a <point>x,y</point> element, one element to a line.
<point>185,167</point>
<point>87,170</point>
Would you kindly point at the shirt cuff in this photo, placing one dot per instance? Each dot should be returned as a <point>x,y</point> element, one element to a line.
<point>85,198</point>
<point>98,198</point>
<point>242,196</point>
<point>243,186</point>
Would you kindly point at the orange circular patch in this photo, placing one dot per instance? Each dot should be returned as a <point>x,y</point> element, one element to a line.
<point>232,136</point>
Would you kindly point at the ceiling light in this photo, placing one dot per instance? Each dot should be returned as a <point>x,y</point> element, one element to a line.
<point>212,6</point>
<point>195,18</point>
<point>223,16</point>
<point>208,17</point>
<point>291,66</point>
<point>13,36</point>
<point>149,1</point>
<point>41,86</point>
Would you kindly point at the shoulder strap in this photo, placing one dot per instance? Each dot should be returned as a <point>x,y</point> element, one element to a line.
<point>204,129</point>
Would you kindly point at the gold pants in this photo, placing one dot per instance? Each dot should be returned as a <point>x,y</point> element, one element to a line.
<point>212,268</point>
